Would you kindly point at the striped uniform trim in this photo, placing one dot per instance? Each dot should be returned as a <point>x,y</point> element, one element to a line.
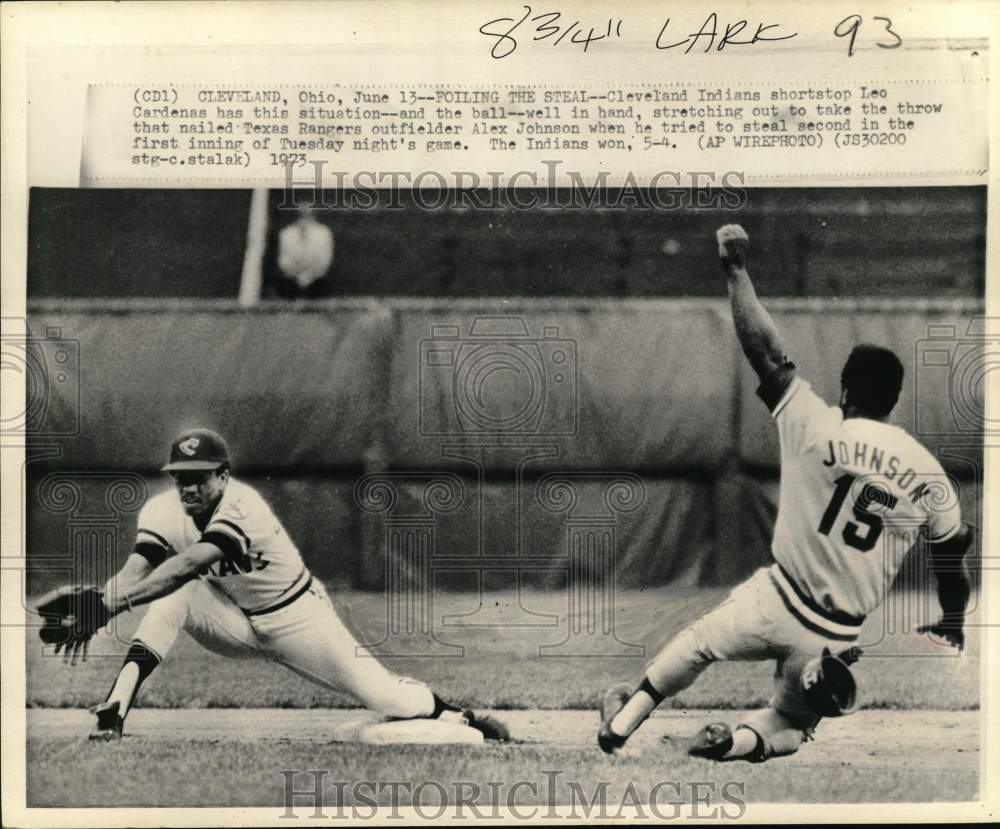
<point>774,386</point>
<point>793,387</point>
<point>937,539</point>
<point>144,536</point>
<point>153,553</point>
<point>231,548</point>
<point>840,626</point>
<point>232,530</point>
<point>301,583</point>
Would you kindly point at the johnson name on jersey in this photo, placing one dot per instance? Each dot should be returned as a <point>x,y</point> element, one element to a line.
<point>855,495</point>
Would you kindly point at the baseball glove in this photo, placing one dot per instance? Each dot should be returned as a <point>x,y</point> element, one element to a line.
<point>72,614</point>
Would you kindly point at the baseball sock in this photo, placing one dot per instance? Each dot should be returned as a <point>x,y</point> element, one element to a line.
<point>640,705</point>
<point>139,664</point>
<point>745,741</point>
<point>440,706</point>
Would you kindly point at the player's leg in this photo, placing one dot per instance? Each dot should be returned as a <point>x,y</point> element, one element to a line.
<point>737,629</point>
<point>771,732</point>
<point>197,607</point>
<point>789,721</point>
<point>310,639</point>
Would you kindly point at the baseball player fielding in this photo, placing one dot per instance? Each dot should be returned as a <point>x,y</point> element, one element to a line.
<point>212,559</point>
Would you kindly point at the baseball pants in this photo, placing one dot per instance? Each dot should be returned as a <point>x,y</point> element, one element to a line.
<point>307,636</point>
<point>752,624</point>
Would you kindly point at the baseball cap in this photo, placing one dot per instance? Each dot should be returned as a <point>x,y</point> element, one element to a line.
<point>197,449</point>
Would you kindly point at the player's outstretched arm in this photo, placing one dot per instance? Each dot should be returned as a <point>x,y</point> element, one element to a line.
<point>173,573</point>
<point>73,614</point>
<point>947,559</point>
<point>755,329</point>
<point>134,570</point>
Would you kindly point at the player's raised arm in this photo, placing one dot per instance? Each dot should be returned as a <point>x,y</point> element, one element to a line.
<point>755,329</point>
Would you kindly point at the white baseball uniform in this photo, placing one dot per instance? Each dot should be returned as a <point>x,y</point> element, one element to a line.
<point>854,495</point>
<point>261,601</point>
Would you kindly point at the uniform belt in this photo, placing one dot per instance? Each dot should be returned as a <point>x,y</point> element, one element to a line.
<point>831,624</point>
<point>283,602</point>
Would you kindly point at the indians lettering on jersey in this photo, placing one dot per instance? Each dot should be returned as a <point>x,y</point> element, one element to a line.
<point>261,563</point>
<point>855,495</point>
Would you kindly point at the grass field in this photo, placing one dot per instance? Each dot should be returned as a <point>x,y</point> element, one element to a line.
<point>216,757</point>
<point>915,739</point>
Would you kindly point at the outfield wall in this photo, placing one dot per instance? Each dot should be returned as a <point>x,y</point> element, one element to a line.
<point>807,241</point>
<point>631,427</point>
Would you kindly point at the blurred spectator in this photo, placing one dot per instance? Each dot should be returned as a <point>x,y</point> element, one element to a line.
<point>305,254</point>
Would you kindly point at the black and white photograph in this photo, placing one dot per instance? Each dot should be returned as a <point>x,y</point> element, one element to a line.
<point>522,528</point>
<point>578,492</point>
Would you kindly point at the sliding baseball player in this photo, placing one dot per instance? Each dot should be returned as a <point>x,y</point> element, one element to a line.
<point>849,481</point>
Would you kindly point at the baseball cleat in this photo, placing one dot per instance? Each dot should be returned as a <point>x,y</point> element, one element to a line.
<point>490,727</point>
<point>454,716</point>
<point>712,742</point>
<point>109,722</point>
<point>613,702</point>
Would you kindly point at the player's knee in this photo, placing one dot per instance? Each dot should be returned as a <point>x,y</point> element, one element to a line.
<point>692,648</point>
<point>172,609</point>
<point>695,641</point>
<point>679,663</point>
<point>684,647</point>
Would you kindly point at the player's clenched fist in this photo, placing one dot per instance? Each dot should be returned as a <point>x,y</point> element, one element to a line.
<point>733,244</point>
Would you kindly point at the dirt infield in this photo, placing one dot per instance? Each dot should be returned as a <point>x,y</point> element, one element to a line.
<point>217,732</point>
<point>872,755</point>
<point>867,738</point>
